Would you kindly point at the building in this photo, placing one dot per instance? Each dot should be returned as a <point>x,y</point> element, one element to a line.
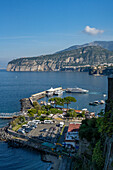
<point>72,136</point>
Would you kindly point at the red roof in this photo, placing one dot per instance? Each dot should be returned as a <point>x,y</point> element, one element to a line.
<point>73,127</point>
<point>78,111</point>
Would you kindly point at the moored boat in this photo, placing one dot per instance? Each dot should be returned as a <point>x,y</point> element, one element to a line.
<point>58,92</point>
<point>96,103</point>
<point>93,104</point>
<point>102,102</point>
<point>49,92</point>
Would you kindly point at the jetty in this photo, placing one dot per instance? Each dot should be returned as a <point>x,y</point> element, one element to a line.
<point>40,95</point>
<point>9,115</point>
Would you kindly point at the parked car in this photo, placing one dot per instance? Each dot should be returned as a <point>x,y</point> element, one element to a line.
<point>48,121</point>
<point>21,131</point>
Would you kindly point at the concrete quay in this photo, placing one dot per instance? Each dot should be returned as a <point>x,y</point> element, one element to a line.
<point>40,95</point>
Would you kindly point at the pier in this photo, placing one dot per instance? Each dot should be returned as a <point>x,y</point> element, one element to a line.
<point>9,115</point>
<point>40,95</point>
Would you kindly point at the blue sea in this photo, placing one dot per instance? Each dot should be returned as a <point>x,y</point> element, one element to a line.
<point>17,85</point>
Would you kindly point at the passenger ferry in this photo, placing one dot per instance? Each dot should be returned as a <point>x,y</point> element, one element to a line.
<point>76,90</point>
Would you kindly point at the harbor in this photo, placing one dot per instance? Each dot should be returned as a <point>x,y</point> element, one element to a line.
<point>45,132</point>
<point>47,136</point>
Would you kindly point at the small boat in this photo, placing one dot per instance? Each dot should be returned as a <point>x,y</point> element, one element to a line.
<point>102,102</point>
<point>95,103</point>
<point>44,103</point>
<point>104,95</point>
<point>41,102</point>
<point>76,90</point>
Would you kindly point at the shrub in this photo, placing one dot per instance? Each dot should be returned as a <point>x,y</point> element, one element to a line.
<point>97,156</point>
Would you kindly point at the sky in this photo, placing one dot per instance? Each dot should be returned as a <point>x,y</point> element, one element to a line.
<point>37,27</point>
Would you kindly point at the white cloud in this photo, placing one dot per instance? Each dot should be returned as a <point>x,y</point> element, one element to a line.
<point>92,31</point>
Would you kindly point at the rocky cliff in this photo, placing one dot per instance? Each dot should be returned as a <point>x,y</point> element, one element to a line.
<point>90,55</point>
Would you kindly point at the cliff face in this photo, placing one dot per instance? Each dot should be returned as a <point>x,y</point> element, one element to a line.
<point>33,66</point>
<point>90,55</point>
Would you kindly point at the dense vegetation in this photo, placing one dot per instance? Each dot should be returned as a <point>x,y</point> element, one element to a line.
<point>95,131</point>
<point>18,122</point>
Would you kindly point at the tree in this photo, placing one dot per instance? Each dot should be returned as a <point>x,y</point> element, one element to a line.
<point>55,111</point>
<point>57,101</point>
<point>31,112</point>
<point>41,112</point>
<point>71,113</point>
<point>89,131</point>
<point>52,100</point>
<point>68,100</point>
<point>22,118</point>
<point>35,103</point>
<point>36,106</point>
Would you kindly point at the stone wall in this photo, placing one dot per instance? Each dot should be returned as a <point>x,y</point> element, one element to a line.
<point>108,152</point>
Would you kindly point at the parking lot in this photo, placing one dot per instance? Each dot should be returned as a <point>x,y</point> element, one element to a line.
<point>46,132</point>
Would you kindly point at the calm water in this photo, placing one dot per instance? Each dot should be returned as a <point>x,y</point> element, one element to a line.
<point>17,85</point>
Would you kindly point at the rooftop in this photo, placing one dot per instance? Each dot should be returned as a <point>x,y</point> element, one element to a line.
<point>73,127</point>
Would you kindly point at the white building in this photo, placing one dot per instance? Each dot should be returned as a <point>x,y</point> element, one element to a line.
<point>72,136</point>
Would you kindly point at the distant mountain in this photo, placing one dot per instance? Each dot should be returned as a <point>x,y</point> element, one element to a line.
<point>105,44</point>
<point>89,55</point>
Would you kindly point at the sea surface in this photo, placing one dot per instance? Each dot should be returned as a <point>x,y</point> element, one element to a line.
<point>17,85</point>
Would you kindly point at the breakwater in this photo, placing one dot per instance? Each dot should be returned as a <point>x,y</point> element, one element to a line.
<point>4,135</point>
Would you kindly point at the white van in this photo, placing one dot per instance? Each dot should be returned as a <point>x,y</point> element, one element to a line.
<point>61,124</point>
<point>48,121</point>
<point>24,126</point>
<point>36,121</point>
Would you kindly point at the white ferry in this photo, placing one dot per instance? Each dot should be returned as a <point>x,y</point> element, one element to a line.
<point>76,90</point>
